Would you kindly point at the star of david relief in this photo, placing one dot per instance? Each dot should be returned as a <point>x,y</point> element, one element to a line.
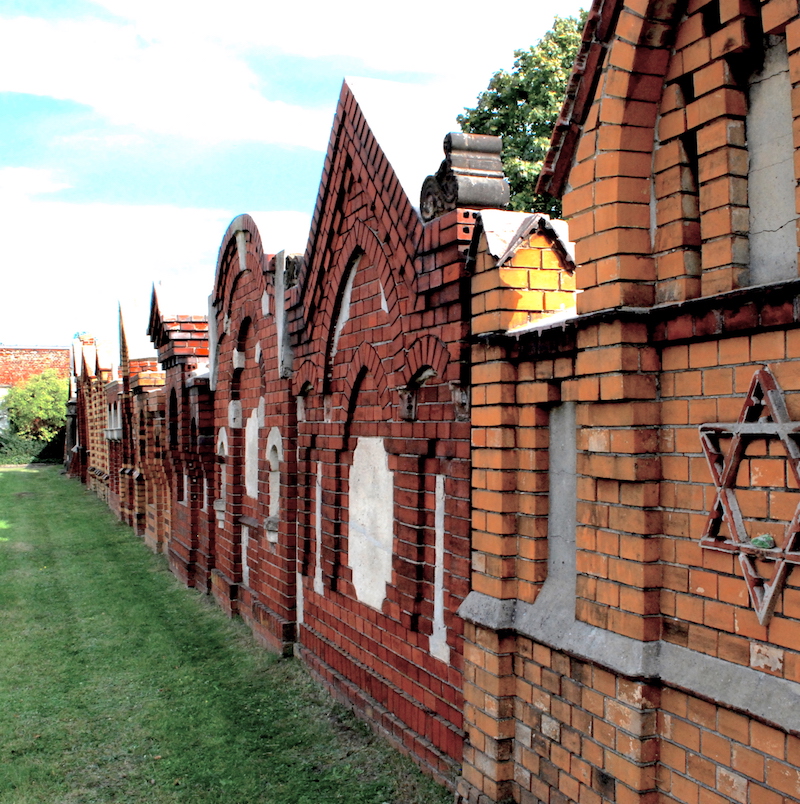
<point>765,559</point>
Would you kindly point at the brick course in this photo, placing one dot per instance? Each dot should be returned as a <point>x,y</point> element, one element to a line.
<point>639,684</point>
<point>613,654</point>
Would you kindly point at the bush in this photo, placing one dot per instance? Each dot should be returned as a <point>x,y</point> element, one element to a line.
<point>37,408</point>
<point>19,450</point>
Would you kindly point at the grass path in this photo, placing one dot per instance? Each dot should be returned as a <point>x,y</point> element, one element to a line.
<point>119,685</point>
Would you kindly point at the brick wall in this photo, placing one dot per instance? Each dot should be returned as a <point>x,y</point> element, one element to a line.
<point>18,363</point>
<point>385,366</point>
<point>182,463</point>
<point>638,644</point>
<point>578,474</point>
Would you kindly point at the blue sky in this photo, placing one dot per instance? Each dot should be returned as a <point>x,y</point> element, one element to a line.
<point>133,131</point>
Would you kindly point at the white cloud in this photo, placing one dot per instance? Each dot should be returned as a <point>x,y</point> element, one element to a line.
<point>180,86</point>
<point>24,182</point>
<point>66,266</point>
<point>180,67</point>
<point>464,39</point>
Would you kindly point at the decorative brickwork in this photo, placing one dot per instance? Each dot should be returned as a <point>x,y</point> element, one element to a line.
<point>184,437</point>
<point>378,320</point>
<point>314,475</point>
<point>527,510</point>
<point>632,630</point>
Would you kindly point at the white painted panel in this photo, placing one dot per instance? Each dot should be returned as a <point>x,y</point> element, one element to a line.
<point>319,586</point>
<point>438,639</point>
<point>251,456</point>
<point>300,598</point>
<point>344,310</point>
<point>234,414</point>
<point>371,530</point>
<point>245,556</point>
<point>771,182</point>
<point>274,458</point>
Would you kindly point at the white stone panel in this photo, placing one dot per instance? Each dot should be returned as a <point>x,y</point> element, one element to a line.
<point>371,515</point>
<point>319,586</point>
<point>771,182</point>
<point>222,443</point>
<point>234,414</point>
<point>274,458</point>
<point>185,490</point>
<point>300,598</point>
<point>245,555</point>
<point>438,639</point>
<point>251,456</point>
<point>344,310</point>
<point>241,249</point>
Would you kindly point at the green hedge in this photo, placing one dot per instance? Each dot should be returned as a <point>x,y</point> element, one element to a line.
<point>18,450</point>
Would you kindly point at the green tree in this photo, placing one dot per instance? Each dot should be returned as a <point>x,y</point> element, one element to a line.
<point>522,107</point>
<point>37,408</point>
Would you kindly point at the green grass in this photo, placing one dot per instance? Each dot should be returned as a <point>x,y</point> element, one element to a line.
<point>119,685</point>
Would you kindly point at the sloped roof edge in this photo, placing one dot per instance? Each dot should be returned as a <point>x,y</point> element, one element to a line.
<point>597,33</point>
<point>506,230</point>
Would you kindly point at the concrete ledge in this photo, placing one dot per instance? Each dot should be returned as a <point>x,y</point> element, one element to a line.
<point>763,696</point>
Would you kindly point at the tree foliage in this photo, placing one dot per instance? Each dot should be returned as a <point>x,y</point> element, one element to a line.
<point>522,107</point>
<point>37,408</point>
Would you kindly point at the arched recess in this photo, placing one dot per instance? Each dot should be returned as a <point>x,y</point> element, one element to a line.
<point>238,357</point>
<point>222,456</point>
<point>426,351</point>
<point>241,252</point>
<point>366,361</point>
<point>308,374</point>
<point>173,420</point>
<point>274,461</point>
<point>363,248</point>
<point>340,313</point>
<point>426,364</point>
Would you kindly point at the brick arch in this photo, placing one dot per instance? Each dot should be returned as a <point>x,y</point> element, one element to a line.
<point>365,361</point>
<point>226,280</point>
<point>228,267</point>
<point>427,351</point>
<point>309,373</point>
<point>360,239</point>
<point>333,308</point>
<point>647,41</point>
<point>247,310</point>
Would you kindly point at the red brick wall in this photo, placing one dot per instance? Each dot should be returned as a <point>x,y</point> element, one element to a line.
<point>186,461</point>
<point>18,364</point>
<point>408,312</point>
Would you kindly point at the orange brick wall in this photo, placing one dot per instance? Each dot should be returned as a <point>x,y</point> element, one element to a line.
<point>563,720</point>
<point>662,680</point>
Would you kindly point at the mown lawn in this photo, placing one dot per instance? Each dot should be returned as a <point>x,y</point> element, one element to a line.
<point>119,685</point>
